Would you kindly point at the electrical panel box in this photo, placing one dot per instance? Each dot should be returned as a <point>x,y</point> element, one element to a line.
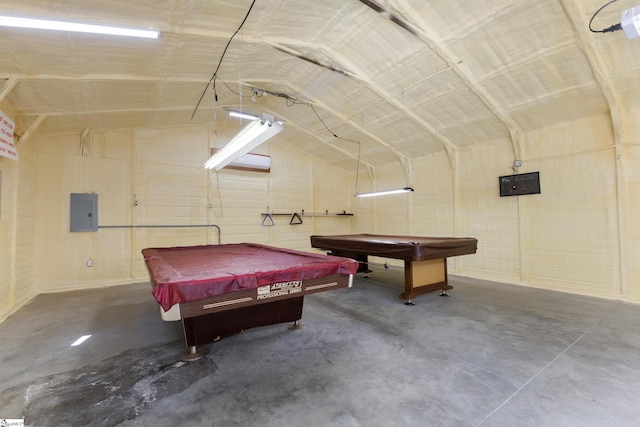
<point>84,212</point>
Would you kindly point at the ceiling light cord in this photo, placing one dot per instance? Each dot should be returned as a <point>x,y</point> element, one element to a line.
<point>290,100</point>
<point>357,169</point>
<point>215,73</point>
<point>610,29</point>
<point>331,132</point>
<point>344,139</point>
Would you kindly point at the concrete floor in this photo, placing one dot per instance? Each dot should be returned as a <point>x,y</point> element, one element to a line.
<point>489,355</point>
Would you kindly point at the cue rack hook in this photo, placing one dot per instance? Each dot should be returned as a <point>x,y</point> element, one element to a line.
<point>267,221</point>
<point>270,223</point>
<point>293,217</point>
<point>296,218</point>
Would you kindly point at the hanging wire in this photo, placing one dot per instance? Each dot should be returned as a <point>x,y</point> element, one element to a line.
<point>612,28</point>
<point>215,172</point>
<point>343,139</point>
<point>358,168</point>
<point>329,130</point>
<point>215,73</point>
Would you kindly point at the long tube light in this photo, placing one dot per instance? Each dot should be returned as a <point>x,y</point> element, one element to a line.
<point>252,135</point>
<point>42,24</point>
<point>242,115</point>
<point>385,192</point>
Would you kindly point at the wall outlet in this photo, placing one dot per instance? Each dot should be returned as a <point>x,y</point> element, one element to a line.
<point>89,262</point>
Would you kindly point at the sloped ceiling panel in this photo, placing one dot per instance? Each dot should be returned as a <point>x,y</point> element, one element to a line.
<point>406,78</point>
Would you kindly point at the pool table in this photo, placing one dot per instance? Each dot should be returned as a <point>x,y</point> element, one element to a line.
<point>425,258</point>
<point>220,290</point>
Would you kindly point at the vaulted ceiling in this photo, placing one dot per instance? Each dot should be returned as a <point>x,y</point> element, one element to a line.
<point>404,78</point>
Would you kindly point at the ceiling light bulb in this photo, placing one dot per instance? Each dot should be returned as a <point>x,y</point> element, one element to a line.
<point>241,115</point>
<point>385,192</point>
<point>42,24</point>
<point>252,135</point>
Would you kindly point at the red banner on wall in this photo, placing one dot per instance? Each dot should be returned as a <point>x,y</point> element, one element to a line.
<point>7,147</point>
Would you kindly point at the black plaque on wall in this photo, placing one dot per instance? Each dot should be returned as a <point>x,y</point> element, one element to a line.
<point>517,185</point>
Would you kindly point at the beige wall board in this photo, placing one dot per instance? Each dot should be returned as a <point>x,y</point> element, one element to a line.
<point>60,253</point>
<point>65,144</point>
<point>25,226</point>
<point>363,213</point>
<point>418,145</point>
<point>291,236</point>
<point>575,104</point>
<point>187,146</point>
<point>631,128</point>
<point>160,237</point>
<point>483,130</point>
<point>333,191</point>
<point>631,162</point>
<point>483,214</point>
<point>573,230</point>
<point>589,133</point>
<point>392,212</point>
<point>7,228</point>
<point>432,180</point>
<point>540,77</point>
<point>16,236</point>
<point>499,33</point>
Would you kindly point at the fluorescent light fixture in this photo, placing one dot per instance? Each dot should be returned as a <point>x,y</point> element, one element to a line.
<point>80,340</point>
<point>242,115</point>
<point>12,21</point>
<point>385,192</point>
<point>252,135</point>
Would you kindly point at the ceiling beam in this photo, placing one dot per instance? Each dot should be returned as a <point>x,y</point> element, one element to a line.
<point>598,66</point>
<point>435,43</point>
<point>33,127</point>
<point>8,87</point>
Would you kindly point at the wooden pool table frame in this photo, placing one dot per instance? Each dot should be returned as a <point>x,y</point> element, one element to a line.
<point>210,319</point>
<point>217,291</point>
<point>425,258</point>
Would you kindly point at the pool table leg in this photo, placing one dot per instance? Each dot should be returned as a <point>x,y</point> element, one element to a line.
<point>207,328</point>
<point>424,276</point>
<point>193,354</point>
<point>297,326</point>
